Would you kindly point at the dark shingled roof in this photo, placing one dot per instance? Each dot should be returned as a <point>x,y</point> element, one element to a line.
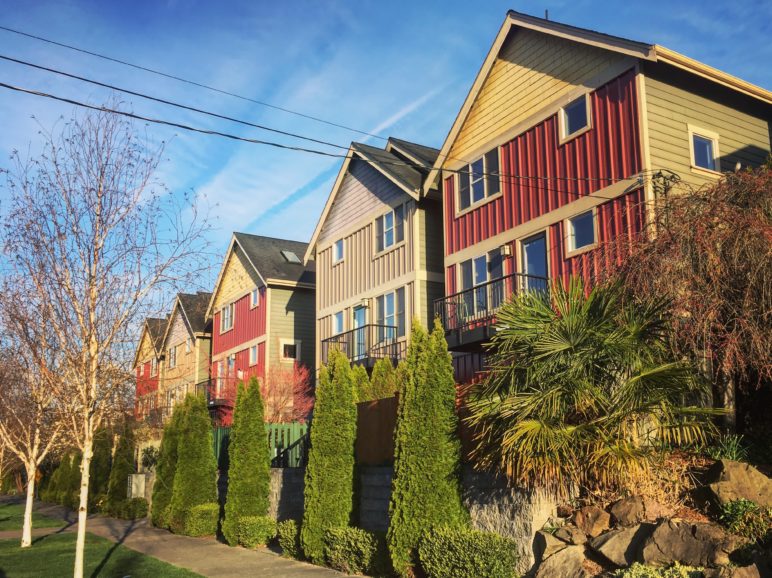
<point>194,307</point>
<point>265,253</point>
<point>427,155</point>
<point>391,164</point>
<point>156,328</point>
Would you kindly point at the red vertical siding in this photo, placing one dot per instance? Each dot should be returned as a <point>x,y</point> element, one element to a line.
<point>542,175</point>
<point>145,383</point>
<point>248,324</point>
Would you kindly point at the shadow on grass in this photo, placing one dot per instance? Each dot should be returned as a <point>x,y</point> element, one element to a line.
<point>119,540</point>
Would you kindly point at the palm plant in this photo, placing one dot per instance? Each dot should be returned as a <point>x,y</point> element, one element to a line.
<point>581,390</point>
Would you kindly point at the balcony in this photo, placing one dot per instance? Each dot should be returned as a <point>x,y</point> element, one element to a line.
<point>367,344</point>
<point>218,391</point>
<point>468,316</point>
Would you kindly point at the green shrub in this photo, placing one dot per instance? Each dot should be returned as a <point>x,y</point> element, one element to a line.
<point>329,481</point>
<point>249,473</point>
<point>202,520</point>
<point>355,551</point>
<point>427,452</point>
<point>748,519</point>
<point>195,477</point>
<point>384,379</point>
<point>289,538</point>
<point>165,469</point>
<point>123,465</point>
<point>461,553</point>
<point>131,509</point>
<point>728,447</point>
<point>255,531</point>
<point>99,469</point>
<point>638,570</point>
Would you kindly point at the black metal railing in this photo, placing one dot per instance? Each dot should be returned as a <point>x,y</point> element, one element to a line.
<point>366,344</point>
<point>477,306</point>
<point>218,390</point>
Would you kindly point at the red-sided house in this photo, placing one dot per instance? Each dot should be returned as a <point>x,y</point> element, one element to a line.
<point>556,151</point>
<point>262,314</point>
<point>148,367</point>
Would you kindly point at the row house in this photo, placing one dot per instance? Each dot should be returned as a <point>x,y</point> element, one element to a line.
<point>262,316</point>
<point>378,253</point>
<point>148,367</point>
<point>557,150</point>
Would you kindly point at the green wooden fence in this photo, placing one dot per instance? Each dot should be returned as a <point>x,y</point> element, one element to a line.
<point>288,443</point>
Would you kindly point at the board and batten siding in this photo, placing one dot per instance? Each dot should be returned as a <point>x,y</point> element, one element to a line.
<point>292,318</point>
<point>184,372</point>
<point>249,323</point>
<point>531,70</point>
<point>675,100</point>
<point>238,279</point>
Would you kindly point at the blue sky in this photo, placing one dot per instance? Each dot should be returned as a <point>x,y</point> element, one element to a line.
<point>392,68</point>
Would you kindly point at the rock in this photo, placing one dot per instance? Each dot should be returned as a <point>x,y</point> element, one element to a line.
<point>545,545</point>
<point>592,520</point>
<point>571,535</point>
<point>654,511</point>
<point>564,510</point>
<point>566,563</point>
<point>628,511</point>
<point>623,546</point>
<point>727,481</point>
<point>691,544</point>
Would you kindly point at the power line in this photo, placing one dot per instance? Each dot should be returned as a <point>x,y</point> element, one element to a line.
<point>191,82</point>
<point>169,102</point>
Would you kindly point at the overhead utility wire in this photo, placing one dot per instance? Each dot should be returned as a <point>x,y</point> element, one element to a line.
<point>279,145</point>
<point>170,103</point>
<point>191,82</point>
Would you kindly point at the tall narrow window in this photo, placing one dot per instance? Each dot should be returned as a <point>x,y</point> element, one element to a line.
<point>226,317</point>
<point>479,180</point>
<point>390,228</point>
<point>172,357</point>
<point>391,313</point>
<point>704,152</point>
<point>337,251</point>
<point>254,297</point>
<point>253,355</point>
<point>337,323</point>
<point>154,367</point>
<point>188,345</point>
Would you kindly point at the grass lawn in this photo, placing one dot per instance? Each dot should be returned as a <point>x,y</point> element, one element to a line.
<point>12,518</point>
<point>54,555</point>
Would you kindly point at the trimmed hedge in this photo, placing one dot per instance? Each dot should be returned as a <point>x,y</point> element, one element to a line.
<point>459,553</point>
<point>355,551</point>
<point>132,509</point>
<point>249,473</point>
<point>202,520</point>
<point>288,533</point>
<point>255,531</point>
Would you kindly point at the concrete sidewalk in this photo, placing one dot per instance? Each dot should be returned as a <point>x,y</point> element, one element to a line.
<point>205,556</point>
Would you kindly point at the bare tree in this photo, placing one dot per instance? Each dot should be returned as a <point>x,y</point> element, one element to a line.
<point>288,394</point>
<point>99,239</point>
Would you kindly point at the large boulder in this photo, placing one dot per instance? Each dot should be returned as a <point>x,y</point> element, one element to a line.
<point>727,481</point>
<point>545,545</point>
<point>570,534</point>
<point>622,546</point>
<point>691,544</point>
<point>636,509</point>
<point>566,563</point>
<point>592,520</point>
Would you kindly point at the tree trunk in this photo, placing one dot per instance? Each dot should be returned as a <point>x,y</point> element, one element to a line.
<point>80,544</point>
<point>26,532</point>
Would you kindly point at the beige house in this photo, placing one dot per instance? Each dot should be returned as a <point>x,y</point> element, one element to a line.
<point>378,253</point>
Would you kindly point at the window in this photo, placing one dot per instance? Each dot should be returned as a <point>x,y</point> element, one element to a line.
<point>172,357</point>
<point>290,350</point>
<point>581,231</point>
<point>154,367</point>
<point>575,117</point>
<point>704,149</point>
<point>337,251</point>
<point>231,368</point>
<point>188,345</point>
<point>226,317</point>
<point>480,275</point>
<point>391,313</point>
<point>141,369</point>
<point>390,228</point>
<point>254,298</point>
<point>337,323</point>
<point>253,355</point>
<point>479,180</point>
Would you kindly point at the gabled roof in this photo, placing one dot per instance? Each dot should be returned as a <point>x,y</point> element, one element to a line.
<point>404,163</point>
<point>194,308</point>
<point>266,255</point>
<point>155,328</point>
<point>641,50</point>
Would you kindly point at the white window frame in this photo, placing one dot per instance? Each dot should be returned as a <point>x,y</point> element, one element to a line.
<point>487,178</point>
<point>153,367</point>
<point>380,313</point>
<point>707,135</point>
<point>254,298</point>
<point>338,323</point>
<point>336,257</point>
<point>231,307</point>
<point>296,343</point>
<point>188,344</point>
<point>563,120</point>
<point>570,238</point>
<point>172,357</point>
<point>142,369</point>
<point>381,230</point>
<point>253,355</point>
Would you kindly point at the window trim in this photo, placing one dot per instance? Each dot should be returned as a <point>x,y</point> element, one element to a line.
<point>473,205</point>
<point>342,314</point>
<point>232,318</point>
<point>297,343</point>
<point>256,349</point>
<point>380,303</point>
<point>381,218</point>
<point>254,298</point>
<point>568,243</point>
<point>172,357</point>
<point>563,125</point>
<point>188,345</point>
<point>708,135</point>
<point>153,367</point>
<point>519,264</point>
<point>335,259</point>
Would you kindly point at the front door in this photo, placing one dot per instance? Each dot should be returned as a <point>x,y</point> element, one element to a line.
<point>535,262</point>
<point>360,320</point>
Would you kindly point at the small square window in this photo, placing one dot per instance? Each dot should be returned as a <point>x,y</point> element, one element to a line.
<point>337,251</point>
<point>337,323</point>
<point>253,355</point>
<point>581,231</point>
<point>290,350</point>
<point>254,297</point>
<point>575,116</point>
<point>704,153</point>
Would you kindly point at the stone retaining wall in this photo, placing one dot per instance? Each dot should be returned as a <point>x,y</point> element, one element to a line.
<point>286,499</point>
<point>374,495</point>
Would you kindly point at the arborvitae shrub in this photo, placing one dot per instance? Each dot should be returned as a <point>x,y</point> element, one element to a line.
<point>62,480</point>
<point>195,480</point>
<point>426,492</point>
<point>362,389</point>
<point>123,466</point>
<point>201,520</point>
<point>165,469</point>
<point>289,538</point>
<point>255,531</point>
<point>464,553</point>
<point>383,381</point>
<point>329,479</point>
<point>99,471</point>
<point>355,551</point>
<point>72,498</point>
<point>249,474</point>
